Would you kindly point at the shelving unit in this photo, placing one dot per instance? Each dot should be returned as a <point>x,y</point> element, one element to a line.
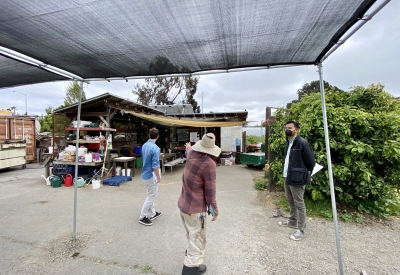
<point>99,129</point>
<point>83,141</point>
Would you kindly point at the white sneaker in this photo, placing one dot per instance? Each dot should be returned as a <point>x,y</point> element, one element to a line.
<point>297,236</point>
<point>287,224</point>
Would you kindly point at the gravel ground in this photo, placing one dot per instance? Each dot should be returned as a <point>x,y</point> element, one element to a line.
<point>35,232</point>
<point>372,247</point>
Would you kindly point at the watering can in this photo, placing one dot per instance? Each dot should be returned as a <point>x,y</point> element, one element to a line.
<point>68,180</point>
<point>55,181</point>
<point>79,181</point>
<point>47,180</point>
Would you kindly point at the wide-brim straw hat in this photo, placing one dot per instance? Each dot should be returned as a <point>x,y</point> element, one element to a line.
<point>207,145</point>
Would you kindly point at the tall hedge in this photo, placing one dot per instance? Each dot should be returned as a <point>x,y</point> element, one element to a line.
<point>364,134</point>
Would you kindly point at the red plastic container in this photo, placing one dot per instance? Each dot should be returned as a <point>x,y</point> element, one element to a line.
<point>68,180</point>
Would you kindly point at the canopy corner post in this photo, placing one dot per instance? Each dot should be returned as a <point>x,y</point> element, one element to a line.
<point>329,162</point>
<point>76,158</point>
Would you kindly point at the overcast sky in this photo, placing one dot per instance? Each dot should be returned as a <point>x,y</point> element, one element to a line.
<point>370,56</point>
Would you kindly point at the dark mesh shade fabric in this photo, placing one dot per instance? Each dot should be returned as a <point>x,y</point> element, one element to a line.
<point>108,38</point>
<point>14,73</point>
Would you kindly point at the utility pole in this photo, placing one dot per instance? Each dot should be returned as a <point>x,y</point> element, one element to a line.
<point>13,110</point>
<point>26,102</point>
<point>202,111</point>
<point>202,95</point>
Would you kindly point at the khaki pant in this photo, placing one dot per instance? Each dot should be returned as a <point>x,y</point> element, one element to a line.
<point>295,197</point>
<point>148,209</point>
<point>196,236</point>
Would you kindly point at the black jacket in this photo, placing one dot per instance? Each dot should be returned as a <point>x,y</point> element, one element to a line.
<point>301,160</point>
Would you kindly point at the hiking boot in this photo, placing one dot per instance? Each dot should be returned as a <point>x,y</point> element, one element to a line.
<point>156,215</point>
<point>202,268</point>
<point>297,236</point>
<point>145,221</point>
<point>190,270</point>
<point>287,224</point>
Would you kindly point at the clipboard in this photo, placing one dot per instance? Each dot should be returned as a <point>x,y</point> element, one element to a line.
<point>211,210</point>
<point>316,169</point>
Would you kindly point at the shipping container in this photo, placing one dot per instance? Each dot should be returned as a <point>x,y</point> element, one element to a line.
<point>12,153</point>
<point>15,128</point>
<point>4,128</point>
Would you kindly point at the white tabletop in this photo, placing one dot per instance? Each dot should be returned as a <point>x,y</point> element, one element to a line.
<point>123,159</point>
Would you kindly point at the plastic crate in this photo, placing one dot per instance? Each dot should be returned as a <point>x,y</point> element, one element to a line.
<point>60,169</point>
<point>138,150</point>
<point>116,180</point>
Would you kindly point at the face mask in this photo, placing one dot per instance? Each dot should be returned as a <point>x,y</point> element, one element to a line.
<point>288,133</point>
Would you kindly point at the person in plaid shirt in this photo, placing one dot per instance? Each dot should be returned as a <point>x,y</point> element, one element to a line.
<point>198,197</point>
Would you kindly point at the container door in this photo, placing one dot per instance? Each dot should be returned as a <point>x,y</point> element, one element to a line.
<point>23,128</point>
<point>4,132</point>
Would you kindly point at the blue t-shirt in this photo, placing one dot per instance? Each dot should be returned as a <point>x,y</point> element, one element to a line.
<point>151,159</point>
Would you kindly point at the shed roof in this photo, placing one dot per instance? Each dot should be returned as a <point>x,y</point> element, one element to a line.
<point>95,106</point>
<point>105,100</point>
<point>174,109</point>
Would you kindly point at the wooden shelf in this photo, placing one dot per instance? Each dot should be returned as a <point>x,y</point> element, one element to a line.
<point>79,163</point>
<point>129,131</point>
<point>99,129</point>
<point>83,141</point>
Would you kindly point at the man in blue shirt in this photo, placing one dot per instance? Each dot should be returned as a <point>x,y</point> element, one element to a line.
<point>151,176</point>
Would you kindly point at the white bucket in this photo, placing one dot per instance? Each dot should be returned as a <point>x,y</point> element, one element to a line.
<point>123,172</point>
<point>95,184</point>
<point>50,150</point>
<point>118,171</point>
<point>88,157</point>
<point>82,151</point>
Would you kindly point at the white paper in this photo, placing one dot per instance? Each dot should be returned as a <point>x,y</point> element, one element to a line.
<point>155,178</point>
<point>193,137</point>
<point>316,169</point>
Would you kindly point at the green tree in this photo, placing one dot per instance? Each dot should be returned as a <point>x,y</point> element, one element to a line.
<point>46,120</point>
<point>312,87</point>
<point>364,145</point>
<point>72,94</point>
<point>71,97</point>
<point>166,90</point>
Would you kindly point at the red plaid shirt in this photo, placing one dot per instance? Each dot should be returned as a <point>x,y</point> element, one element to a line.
<point>198,183</point>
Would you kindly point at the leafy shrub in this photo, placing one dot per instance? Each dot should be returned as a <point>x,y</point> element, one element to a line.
<point>364,138</point>
<point>251,139</point>
<point>260,183</point>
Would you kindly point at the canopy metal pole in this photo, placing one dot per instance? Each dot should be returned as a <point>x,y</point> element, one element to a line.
<point>328,157</point>
<point>76,159</point>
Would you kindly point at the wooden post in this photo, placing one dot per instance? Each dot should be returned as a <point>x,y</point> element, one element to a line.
<point>270,155</point>
<point>107,156</point>
<point>244,143</point>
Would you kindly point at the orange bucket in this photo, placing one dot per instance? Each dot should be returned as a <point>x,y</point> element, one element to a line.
<point>68,180</point>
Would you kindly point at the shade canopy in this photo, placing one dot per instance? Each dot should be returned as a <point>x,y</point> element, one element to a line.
<point>106,39</point>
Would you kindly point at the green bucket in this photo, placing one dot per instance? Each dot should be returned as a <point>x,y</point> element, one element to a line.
<point>138,162</point>
<point>55,181</point>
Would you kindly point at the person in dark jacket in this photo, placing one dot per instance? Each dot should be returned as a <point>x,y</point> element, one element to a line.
<point>298,162</point>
